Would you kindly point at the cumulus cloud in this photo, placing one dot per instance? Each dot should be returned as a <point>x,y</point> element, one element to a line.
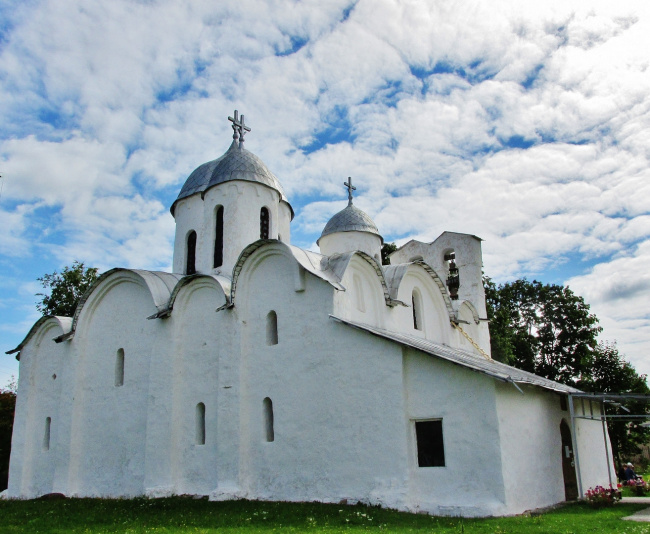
<point>526,125</point>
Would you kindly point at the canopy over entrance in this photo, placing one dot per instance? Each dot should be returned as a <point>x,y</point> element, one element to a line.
<point>579,409</point>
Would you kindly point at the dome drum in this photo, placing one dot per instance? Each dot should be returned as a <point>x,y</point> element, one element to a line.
<point>348,230</point>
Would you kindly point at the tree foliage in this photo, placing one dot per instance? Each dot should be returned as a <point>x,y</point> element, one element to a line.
<point>611,373</point>
<point>65,289</point>
<point>548,330</point>
<point>386,249</point>
<point>542,328</point>
<point>7,408</point>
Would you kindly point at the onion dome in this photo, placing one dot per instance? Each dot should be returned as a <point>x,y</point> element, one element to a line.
<point>236,164</point>
<point>350,219</point>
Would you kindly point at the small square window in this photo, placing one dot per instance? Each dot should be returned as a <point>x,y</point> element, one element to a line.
<point>431,450</point>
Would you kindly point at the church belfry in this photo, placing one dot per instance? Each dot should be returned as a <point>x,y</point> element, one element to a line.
<point>228,203</point>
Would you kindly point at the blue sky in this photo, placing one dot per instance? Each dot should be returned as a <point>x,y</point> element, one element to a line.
<point>528,125</point>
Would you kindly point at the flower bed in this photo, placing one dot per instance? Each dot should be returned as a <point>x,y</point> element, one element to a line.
<point>600,497</point>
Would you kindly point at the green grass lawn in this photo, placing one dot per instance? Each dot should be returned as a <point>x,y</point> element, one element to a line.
<point>176,515</point>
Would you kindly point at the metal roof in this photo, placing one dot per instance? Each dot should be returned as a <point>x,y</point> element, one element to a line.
<point>236,164</point>
<point>497,370</point>
<point>350,219</point>
<point>65,323</point>
<point>311,261</point>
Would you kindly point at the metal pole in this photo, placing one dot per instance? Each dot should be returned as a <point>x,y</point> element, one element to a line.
<point>603,420</point>
<point>574,441</point>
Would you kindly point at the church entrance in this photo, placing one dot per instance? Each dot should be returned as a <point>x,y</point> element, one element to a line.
<point>568,464</point>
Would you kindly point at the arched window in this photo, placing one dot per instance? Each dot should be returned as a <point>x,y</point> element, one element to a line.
<point>119,368</point>
<point>190,268</point>
<point>46,436</point>
<point>218,238</point>
<point>416,301</point>
<point>272,328</point>
<point>200,424</point>
<point>264,223</point>
<point>268,420</point>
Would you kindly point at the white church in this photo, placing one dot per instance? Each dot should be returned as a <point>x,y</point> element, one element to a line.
<point>260,370</point>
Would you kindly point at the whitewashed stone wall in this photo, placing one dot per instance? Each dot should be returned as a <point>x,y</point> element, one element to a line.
<point>344,402</point>
<point>471,482</point>
<point>242,202</point>
<point>341,242</point>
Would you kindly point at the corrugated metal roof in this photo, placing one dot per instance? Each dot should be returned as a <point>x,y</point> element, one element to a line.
<point>472,361</point>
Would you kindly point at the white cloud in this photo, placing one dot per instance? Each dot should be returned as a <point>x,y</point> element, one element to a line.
<point>618,292</point>
<point>106,109</point>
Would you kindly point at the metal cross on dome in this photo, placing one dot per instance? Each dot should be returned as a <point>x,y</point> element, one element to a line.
<point>239,127</point>
<point>351,188</point>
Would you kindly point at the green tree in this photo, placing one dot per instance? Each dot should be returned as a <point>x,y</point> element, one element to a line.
<point>7,408</point>
<point>387,249</point>
<point>542,328</point>
<point>548,330</point>
<point>611,373</point>
<point>65,289</point>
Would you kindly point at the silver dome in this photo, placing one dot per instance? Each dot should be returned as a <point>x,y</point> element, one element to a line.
<point>350,219</point>
<point>236,164</point>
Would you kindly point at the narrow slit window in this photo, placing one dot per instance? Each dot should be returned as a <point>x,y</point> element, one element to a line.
<point>431,450</point>
<point>265,221</point>
<point>268,420</point>
<point>272,328</point>
<point>119,368</point>
<point>190,268</point>
<point>358,290</point>
<point>416,301</point>
<point>200,424</point>
<point>218,238</point>
<point>46,436</point>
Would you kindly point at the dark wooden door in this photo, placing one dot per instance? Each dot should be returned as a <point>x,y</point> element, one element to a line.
<point>568,464</point>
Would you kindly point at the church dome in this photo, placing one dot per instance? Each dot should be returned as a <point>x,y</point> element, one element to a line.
<point>236,164</point>
<point>350,219</point>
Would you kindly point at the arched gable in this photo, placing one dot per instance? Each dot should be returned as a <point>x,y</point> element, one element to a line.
<point>254,255</point>
<point>395,274</point>
<point>158,284</point>
<point>201,281</point>
<point>40,328</point>
<point>428,314</point>
<point>339,263</point>
<point>196,281</point>
<point>366,293</point>
<point>467,312</point>
<point>305,260</point>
